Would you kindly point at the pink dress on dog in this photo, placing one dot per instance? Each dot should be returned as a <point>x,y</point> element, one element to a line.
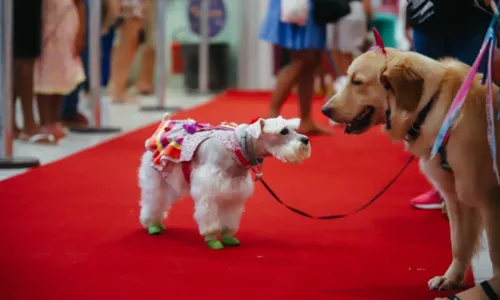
<point>176,141</point>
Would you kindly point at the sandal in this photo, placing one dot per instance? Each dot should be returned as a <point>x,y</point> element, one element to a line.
<point>56,130</point>
<point>38,138</point>
<point>487,289</point>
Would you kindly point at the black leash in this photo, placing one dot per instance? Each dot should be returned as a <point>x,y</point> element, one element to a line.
<point>330,217</point>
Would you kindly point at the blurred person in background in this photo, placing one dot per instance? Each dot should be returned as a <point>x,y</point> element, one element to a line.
<point>27,38</point>
<point>347,37</point>
<point>305,45</point>
<point>138,27</point>
<point>70,115</point>
<point>437,34</point>
<point>58,70</point>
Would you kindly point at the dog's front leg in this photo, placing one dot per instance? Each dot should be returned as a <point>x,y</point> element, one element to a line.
<point>230,216</point>
<point>465,227</point>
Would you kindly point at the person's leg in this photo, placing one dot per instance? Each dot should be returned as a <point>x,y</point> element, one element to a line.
<point>70,117</point>
<point>69,107</point>
<point>287,77</point>
<point>43,103</point>
<point>55,125</point>
<point>123,57</point>
<point>23,82</point>
<point>144,83</point>
<point>465,45</point>
<point>311,59</point>
<point>106,46</point>
<point>433,46</point>
<point>429,44</point>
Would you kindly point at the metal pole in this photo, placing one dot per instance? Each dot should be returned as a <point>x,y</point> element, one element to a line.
<point>94,43</point>
<point>7,161</point>
<point>7,106</point>
<point>95,60</point>
<point>204,47</point>
<point>161,72</point>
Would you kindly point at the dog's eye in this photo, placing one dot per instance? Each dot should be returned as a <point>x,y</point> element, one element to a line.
<point>356,82</point>
<point>284,131</point>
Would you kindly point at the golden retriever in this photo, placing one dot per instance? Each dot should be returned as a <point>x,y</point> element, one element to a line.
<point>470,189</point>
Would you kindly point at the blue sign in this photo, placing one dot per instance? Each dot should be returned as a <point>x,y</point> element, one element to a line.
<point>216,16</point>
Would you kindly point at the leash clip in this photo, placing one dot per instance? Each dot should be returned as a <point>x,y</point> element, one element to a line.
<point>258,172</point>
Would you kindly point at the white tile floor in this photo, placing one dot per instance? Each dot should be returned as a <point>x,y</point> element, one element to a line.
<point>128,117</point>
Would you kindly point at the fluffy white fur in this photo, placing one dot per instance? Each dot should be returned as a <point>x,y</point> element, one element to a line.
<point>219,186</point>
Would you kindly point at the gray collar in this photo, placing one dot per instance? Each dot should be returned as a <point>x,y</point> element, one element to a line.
<point>252,159</point>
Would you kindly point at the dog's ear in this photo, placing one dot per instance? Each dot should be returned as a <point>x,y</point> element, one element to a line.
<point>293,123</point>
<point>255,129</point>
<point>406,84</point>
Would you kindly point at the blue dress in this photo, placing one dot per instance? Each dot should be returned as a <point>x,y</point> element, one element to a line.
<point>291,36</point>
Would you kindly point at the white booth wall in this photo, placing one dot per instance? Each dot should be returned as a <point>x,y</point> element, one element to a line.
<point>250,60</point>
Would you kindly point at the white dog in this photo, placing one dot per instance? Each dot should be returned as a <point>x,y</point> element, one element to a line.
<point>212,164</point>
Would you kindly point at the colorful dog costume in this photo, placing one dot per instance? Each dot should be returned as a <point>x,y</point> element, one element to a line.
<point>176,141</point>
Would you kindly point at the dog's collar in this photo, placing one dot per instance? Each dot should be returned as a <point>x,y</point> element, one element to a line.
<point>253,160</point>
<point>414,130</point>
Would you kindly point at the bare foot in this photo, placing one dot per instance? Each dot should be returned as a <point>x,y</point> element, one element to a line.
<point>36,136</point>
<point>57,130</point>
<point>313,129</point>
<point>16,131</point>
<point>273,113</point>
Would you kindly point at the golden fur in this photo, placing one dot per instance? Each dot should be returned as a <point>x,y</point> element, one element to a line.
<point>471,191</point>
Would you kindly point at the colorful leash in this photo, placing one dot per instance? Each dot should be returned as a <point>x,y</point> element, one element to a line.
<point>488,45</point>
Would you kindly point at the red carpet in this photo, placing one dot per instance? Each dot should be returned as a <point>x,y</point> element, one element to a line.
<point>70,230</point>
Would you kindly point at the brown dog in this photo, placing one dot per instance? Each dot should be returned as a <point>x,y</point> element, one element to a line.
<point>417,92</point>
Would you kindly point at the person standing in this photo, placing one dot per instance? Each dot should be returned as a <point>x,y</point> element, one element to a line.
<point>27,38</point>
<point>58,70</point>
<point>438,33</point>
<point>305,44</point>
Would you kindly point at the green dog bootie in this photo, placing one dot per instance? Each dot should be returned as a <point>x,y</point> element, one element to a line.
<point>156,229</point>
<point>230,241</point>
<point>214,244</point>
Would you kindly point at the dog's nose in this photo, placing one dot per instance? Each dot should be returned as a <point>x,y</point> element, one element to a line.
<point>304,140</point>
<point>327,111</point>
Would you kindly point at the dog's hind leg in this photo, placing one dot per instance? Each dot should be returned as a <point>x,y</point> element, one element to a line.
<point>230,217</point>
<point>491,213</point>
<point>154,191</point>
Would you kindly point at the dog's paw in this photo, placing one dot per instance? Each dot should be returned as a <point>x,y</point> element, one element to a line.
<point>230,241</point>
<point>215,245</point>
<point>156,229</point>
<point>442,283</point>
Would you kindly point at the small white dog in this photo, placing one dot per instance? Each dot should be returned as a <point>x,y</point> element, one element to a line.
<point>212,164</point>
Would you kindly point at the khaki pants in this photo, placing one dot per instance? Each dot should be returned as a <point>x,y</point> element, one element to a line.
<point>137,15</point>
